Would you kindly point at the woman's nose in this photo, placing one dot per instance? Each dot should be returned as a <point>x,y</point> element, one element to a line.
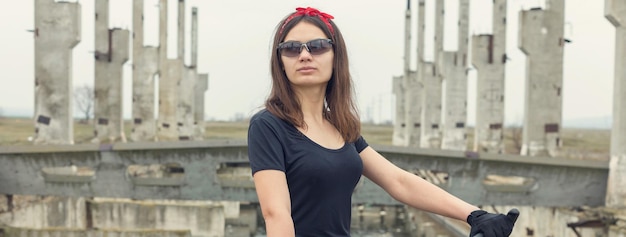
<point>304,53</point>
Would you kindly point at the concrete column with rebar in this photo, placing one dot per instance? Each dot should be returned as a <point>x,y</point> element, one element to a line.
<point>412,91</point>
<point>615,11</point>
<point>430,128</point>
<point>57,31</point>
<point>145,68</point>
<point>489,58</point>
<point>111,53</point>
<point>454,116</point>
<point>541,39</point>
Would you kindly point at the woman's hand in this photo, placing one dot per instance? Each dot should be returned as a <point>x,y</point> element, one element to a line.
<point>486,224</point>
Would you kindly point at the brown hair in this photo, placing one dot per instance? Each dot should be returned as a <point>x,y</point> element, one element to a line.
<point>340,108</point>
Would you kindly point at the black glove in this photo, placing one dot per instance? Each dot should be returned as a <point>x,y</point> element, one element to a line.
<point>492,225</point>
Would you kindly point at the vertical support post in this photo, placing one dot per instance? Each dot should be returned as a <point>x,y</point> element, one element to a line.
<point>615,12</point>
<point>454,117</point>
<point>57,31</point>
<point>430,128</point>
<point>489,58</point>
<point>145,67</point>
<point>541,39</point>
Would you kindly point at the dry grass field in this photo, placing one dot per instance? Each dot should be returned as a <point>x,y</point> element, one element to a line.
<point>577,143</point>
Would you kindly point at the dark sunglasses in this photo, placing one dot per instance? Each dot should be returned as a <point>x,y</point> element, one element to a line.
<point>315,47</point>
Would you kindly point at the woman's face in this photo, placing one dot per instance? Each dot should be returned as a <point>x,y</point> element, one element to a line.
<point>306,69</point>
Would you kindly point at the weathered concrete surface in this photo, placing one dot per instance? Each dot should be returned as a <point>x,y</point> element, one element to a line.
<point>111,52</point>
<point>454,116</point>
<point>108,106</point>
<point>145,67</point>
<point>62,232</point>
<point>489,59</point>
<point>202,85</point>
<point>541,39</point>
<point>170,74</point>
<point>555,181</point>
<point>202,218</point>
<point>413,109</point>
<point>57,31</point>
<point>430,128</point>
<point>48,212</point>
<point>616,193</point>
<point>398,137</point>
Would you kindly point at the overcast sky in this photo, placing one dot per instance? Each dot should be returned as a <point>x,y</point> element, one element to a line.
<point>235,37</point>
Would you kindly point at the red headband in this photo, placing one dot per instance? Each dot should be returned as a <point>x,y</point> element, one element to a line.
<point>309,11</point>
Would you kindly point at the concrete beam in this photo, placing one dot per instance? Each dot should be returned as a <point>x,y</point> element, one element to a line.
<point>57,31</point>
<point>615,12</point>
<point>145,67</point>
<point>541,39</point>
<point>489,58</point>
<point>189,171</point>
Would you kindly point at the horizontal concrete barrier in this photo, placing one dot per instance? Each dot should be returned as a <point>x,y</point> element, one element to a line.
<point>219,170</point>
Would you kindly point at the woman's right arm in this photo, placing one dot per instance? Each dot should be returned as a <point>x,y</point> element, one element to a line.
<point>271,188</point>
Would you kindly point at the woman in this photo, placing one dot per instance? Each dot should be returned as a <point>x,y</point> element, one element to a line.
<point>305,147</point>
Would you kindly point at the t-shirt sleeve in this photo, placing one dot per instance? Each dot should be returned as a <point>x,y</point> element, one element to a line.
<point>265,151</point>
<point>360,144</point>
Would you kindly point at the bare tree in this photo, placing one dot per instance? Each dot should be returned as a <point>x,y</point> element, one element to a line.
<point>84,96</point>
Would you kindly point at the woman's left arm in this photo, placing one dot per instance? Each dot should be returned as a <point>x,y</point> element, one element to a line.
<point>411,189</point>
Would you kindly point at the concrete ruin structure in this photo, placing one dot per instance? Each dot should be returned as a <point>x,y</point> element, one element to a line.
<point>615,11</point>
<point>111,53</point>
<point>57,31</point>
<point>410,91</point>
<point>170,74</point>
<point>184,110</point>
<point>489,59</point>
<point>145,68</point>
<point>430,128</point>
<point>413,90</point>
<point>397,89</point>
<point>541,38</point>
<point>454,66</point>
<point>202,85</point>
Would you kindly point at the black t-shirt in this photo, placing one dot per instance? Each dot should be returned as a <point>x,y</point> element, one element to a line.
<point>320,180</point>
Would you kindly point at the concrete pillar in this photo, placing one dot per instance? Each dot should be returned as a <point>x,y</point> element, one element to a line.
<point>170,73</point>
<point>615,11</point>
<point>541,39</point>
<point>145,67</point>
<point>111,52</point>
<point>398,138</point>
<point>187,83</point>
<point>430,129</point>
<point>454,116</point>
<point>399,85</point>
<point>489,58</point>
<point>201,87</point>
<point>412,93</point>
<point>57,31</point>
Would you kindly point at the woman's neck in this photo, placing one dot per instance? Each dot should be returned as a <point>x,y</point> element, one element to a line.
<point>312,105</point>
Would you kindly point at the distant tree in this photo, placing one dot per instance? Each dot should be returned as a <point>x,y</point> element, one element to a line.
<point>85,96</point>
